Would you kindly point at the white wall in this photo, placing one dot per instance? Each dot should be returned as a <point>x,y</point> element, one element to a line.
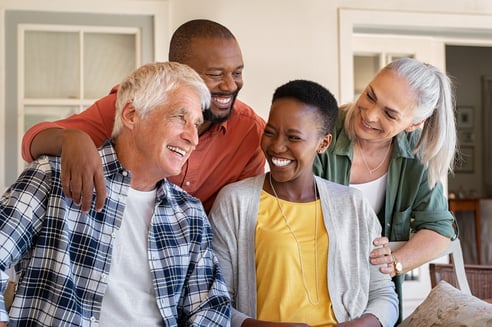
<point>280,39</point>
<point>287,39</point>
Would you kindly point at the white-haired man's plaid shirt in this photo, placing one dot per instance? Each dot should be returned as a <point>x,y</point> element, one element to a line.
<point>64,255</point>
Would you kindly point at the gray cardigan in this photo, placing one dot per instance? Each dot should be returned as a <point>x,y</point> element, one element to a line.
<point>356,287</point>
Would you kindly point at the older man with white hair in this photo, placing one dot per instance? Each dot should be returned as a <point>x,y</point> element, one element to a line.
<point>145,258</point>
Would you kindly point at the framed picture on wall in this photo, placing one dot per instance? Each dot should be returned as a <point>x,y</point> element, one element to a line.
<point>466,136</point>
<point>466,162</point>
<point>464,116</point>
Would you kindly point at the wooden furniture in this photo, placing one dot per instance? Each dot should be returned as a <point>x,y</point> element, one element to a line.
<point>479,278</point>
<point>457,266</point>
<point>471,204</point>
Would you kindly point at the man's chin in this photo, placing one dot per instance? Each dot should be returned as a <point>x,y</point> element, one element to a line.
<point>215,118</point>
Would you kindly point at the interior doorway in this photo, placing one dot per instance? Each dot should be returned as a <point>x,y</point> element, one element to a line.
<point>471,68</point>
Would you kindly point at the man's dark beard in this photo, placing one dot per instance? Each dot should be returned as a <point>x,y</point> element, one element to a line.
<point>209,116</point>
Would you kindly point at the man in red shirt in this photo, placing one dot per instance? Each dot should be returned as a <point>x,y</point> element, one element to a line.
<point>229,139</point>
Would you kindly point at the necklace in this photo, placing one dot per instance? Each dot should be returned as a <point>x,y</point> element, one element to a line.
<point>371,171</point>
<point>315,239</point>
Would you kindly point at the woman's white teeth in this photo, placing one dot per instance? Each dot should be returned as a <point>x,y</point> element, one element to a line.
<point>364,123</point>
<point>281,162</point>
<point>368,126</point>
<point>177,150</point>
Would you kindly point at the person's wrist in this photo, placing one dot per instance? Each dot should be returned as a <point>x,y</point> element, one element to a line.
<point>397,265</point>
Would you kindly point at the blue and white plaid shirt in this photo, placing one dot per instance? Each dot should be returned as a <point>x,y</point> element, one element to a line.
<point>63,256</point>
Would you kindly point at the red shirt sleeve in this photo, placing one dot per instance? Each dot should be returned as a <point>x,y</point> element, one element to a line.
<point>97,121</point>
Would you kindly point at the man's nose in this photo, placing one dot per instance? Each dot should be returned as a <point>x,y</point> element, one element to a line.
<point>228,83</point>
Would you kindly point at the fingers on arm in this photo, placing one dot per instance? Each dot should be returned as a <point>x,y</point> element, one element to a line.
<point>382,256</point>
<point>100,186</point>
<point>82,171</point>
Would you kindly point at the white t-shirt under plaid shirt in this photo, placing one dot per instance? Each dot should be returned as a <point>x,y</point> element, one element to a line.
<point>64,255</point>
<point>130,287</point>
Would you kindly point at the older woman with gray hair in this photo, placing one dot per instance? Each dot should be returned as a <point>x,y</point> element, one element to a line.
<point>397,143</point>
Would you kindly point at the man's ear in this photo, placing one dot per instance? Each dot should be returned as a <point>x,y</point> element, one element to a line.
<point>129,115</point>
<point>325,143</point>
<point>414,126</point>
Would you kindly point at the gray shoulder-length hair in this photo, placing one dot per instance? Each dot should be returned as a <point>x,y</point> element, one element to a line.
<point>434,103</point>
<point>148,87</point>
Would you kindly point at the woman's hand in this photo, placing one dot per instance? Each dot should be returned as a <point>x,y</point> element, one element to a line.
<point>424,246</point>
<point>382,256</point>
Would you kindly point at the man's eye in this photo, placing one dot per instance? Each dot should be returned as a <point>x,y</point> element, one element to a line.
<point>214,76</point>
<point>180,118</point>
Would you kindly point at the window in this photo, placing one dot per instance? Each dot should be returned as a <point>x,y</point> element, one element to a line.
<point>59,63</point>
<point>64,69</point>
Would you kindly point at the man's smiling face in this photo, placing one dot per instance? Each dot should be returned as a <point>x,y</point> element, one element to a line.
<point>220,63</point>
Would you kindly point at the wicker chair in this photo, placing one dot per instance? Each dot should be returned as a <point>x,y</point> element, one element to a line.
<point>479,278</point>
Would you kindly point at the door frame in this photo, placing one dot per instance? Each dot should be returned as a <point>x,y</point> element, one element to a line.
<point>451,29</point>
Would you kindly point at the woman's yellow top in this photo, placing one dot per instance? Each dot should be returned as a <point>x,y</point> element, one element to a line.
<point>281,291</point>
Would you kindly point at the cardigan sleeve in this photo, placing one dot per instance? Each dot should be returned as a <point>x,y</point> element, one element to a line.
<point>225,244</point>
<point>233,219</point>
